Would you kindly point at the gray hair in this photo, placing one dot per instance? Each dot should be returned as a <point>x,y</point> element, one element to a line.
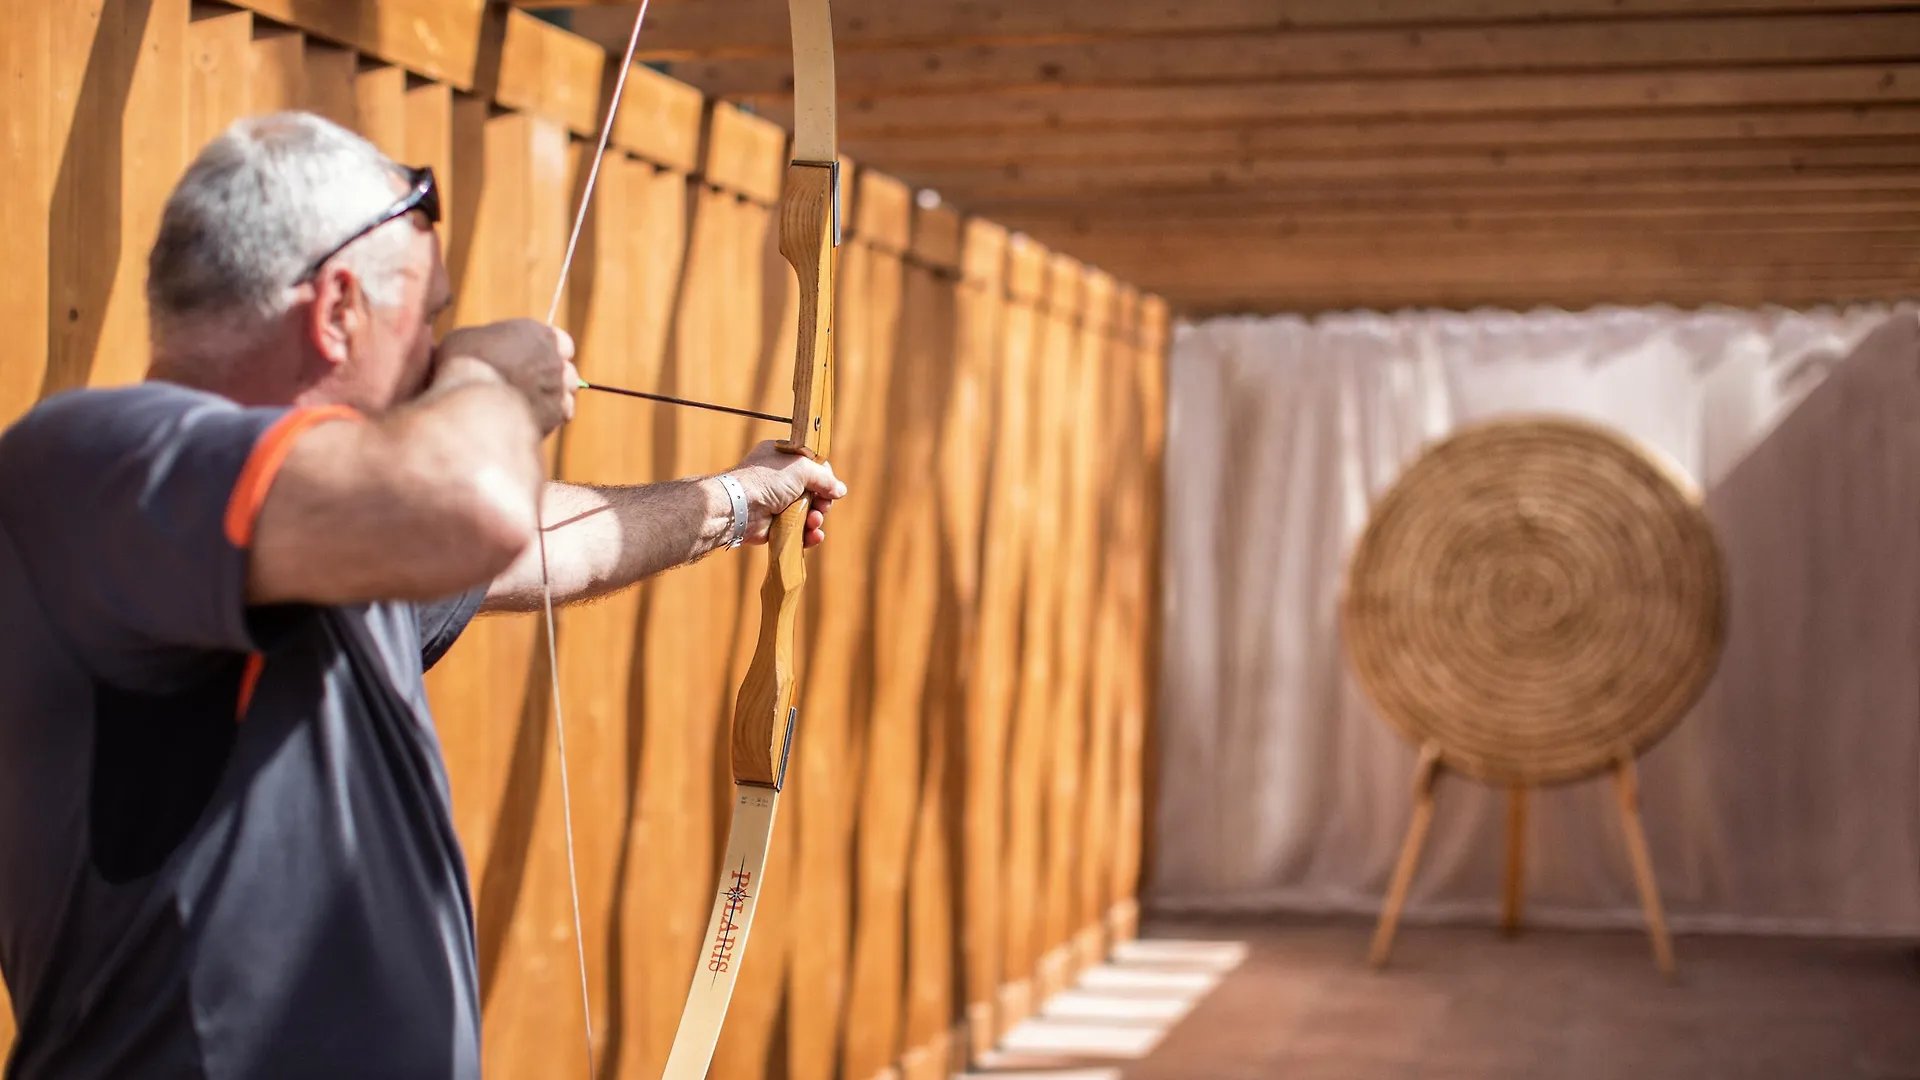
<point>259,204</point>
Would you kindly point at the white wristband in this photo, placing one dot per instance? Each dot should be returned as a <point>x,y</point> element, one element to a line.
<point>738,495</point>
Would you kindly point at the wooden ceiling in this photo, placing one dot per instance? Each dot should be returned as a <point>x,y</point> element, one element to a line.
<point>1304,155</point>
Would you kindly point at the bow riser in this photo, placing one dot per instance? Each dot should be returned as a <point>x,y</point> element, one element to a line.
<point>763,712</point>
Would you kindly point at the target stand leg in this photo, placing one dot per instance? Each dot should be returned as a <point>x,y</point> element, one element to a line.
<point>1627,787</point>
<point>1425,776</point>
<point>1516,881</point>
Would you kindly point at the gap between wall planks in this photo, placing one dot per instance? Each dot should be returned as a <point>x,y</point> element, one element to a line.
<point>966,357</point>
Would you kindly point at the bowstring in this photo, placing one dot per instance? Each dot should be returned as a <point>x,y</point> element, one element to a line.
<point>546,581</point>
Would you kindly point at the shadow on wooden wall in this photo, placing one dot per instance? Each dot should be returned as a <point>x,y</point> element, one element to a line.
<point>87,198</point>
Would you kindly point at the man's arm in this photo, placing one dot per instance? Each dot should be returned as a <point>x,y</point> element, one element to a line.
<point>603,539</point>
<point>434,498</point>
<point>159,518</point>
<point>431,499</point>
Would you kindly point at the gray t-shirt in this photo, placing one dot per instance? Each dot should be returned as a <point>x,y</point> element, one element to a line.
<point>226,843</point>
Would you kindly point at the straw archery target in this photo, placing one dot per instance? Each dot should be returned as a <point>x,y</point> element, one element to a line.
<point>1536,597</point>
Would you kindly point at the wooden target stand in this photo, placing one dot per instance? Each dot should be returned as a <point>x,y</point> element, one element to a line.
<point>1426,777</point>
<point>1535,601</point>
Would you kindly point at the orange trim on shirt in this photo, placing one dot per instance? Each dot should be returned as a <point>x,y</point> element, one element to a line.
<point>249,679</point>
<point>250,491</point>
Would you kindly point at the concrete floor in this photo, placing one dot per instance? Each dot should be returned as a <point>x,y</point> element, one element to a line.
<point>1466,1004</point>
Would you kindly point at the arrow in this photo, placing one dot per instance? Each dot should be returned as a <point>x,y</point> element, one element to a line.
<point>585,385</point>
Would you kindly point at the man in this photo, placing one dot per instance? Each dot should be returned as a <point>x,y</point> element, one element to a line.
<point>226,847</point>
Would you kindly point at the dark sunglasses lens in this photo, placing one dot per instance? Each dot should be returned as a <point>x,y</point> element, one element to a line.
<point>430,199</point>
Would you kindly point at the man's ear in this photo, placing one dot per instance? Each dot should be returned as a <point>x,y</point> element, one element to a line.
<point>335,317</point>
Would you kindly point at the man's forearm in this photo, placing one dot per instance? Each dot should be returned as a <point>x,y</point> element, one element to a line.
<point>603,539</point>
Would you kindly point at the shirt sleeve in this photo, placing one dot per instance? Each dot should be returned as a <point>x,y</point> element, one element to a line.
<point>134,509</point>
<point>443,621</point>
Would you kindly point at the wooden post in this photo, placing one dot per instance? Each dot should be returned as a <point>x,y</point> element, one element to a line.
<point>1425,775</point>
<point>1627,786</point>
<point>1516,880</point>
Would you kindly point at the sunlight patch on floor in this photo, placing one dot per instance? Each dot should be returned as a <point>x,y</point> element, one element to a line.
<point>1118,1011</point>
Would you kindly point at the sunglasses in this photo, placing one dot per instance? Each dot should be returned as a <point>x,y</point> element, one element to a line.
<point>422,195</point>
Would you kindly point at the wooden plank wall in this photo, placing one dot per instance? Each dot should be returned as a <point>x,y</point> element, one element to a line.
<point>967,791</point>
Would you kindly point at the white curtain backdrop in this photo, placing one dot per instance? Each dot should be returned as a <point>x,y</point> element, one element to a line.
<point>1788,802</point>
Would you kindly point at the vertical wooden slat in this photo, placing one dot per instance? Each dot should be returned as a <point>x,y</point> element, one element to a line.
<point>934,364</point>
<point>1128,579</point>
<point>219,73</point>
<point>429,124</point>
<point>1138,746</point>
<point>902,616</point>
<point>126,147</point>
<point>1008,574</point>
<point>1048,678</point>
<point>1031,745</point>
<point>1067,847</point>
<point>988,353</point>
<point>606,443</point>
<point>327,83</point>
<point>525,906</point>
<point>380,108</point>
<point>643,928</point>
<point>688,634</point>
<point>481,690</point>
<point>1114,655</point>
<point>279,68</point>
<point>454,694</point>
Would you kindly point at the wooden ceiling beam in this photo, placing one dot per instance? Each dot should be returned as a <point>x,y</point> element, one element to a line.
<point>1596,168</point>
<point>1426,98</point>
<point>1174,211</point>
<point>1274,272</point>
<point>1170,207</point>
<point>1196,302</point>
<point>691,29</point>
<point>1281,275</point>
<point>1187,256</point>
<point>1395,138</point>
<point>1601,223</point>
<point>1292,55</point>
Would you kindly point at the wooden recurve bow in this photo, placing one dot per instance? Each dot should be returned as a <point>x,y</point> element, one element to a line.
<point>764,712</point>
